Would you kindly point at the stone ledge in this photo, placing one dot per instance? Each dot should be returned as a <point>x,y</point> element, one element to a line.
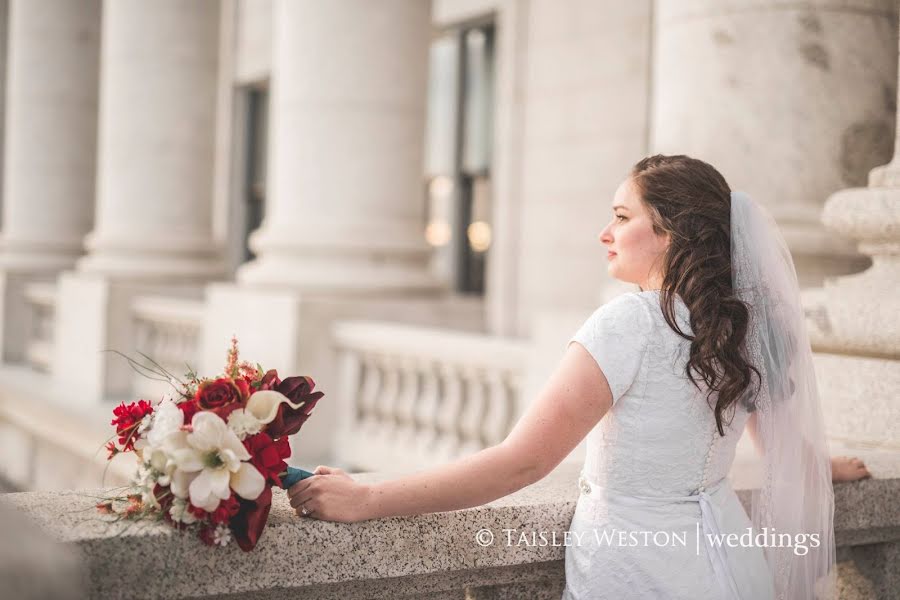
<point>426,555</point>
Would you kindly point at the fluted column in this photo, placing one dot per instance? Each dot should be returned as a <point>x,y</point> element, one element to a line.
<point>791,100</point>
<point>157,128</point>
<point>51,139</point>
<point>345,211</point>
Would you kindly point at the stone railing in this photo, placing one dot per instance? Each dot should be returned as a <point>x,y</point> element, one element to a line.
<point>41,301</point>
<point>168,330</point>
<point>414,396</point>
<point>434,556</point>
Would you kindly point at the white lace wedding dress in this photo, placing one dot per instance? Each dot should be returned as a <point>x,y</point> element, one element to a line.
<point>656,463</point>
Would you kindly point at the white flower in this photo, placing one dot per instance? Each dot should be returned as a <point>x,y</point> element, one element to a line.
<point>167,420</point>
<point>209,464</point>
<point>144,425</point>
<point>180,513</point>
<point>243,423</point>
<point>221,535</point>
<point>264,405</point>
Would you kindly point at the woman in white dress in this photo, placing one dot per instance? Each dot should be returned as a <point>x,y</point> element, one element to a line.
<point>663,382</point>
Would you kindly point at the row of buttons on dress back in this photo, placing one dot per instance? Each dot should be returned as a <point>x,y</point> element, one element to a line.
<point>584,485</point>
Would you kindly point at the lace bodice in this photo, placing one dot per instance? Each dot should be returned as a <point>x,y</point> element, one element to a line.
<point>660,436</point>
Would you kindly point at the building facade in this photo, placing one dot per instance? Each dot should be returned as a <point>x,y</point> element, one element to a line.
<point>402,198</point>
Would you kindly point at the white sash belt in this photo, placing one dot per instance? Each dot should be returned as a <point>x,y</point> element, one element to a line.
<point>709,523</point>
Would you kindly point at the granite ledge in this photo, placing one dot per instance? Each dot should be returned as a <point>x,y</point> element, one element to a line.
<point>426,554</point>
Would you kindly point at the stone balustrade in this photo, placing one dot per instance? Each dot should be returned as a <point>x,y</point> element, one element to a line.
<point>41,300</point>
<point>415,396</point>
<point>433,556</point>
<point>167,329</point>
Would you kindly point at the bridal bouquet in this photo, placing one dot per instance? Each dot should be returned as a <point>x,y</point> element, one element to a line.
<point>209,454</point>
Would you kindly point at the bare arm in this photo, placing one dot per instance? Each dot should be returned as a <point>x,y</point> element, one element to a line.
<point>573,400</point>
<point>753,430</point>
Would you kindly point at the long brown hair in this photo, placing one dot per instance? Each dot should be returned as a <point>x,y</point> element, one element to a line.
<point>691,201</point>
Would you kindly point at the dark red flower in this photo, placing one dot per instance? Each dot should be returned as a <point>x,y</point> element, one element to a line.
<point>127,418</point>
<point>198,512</point>
<point>217,393</point>
<point>250,522</point>
<point>189,408</point>
<point>163,496</point>
<point>268,455</point>
<point>244,387</point>
<point>226,510</point>
<point>206,535</point>
<point>269,381</point>
<point>289,420</point>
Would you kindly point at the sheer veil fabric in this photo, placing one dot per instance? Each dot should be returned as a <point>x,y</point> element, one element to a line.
<point>796,497</point>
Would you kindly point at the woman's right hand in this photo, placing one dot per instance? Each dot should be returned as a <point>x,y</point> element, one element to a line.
<point>848,468</point>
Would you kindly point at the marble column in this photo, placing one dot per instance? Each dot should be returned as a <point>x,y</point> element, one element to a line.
<point>153,228</point>
<point>53,63</point>
<point>791,100</point>
<point>157,132</point>
<point>345,210</point>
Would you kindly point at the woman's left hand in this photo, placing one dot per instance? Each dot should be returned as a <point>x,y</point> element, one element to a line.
<point>331,495</point>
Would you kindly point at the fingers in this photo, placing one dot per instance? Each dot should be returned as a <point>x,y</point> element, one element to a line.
<point>299,488</point>
<point>323,470</point>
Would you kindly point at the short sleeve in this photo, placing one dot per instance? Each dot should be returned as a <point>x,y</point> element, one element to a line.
<point>616,335</point>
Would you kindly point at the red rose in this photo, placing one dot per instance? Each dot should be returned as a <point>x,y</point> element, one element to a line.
<point>127,419</point>
<point>289,420</point>
<point>217,393</point>
<point>268,455</point>
<point>222,396</point>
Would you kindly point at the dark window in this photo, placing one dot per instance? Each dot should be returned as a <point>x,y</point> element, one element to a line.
<point>458,153</point>
<point>255,191</point>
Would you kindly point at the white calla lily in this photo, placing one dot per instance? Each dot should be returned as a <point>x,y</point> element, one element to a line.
<point>264,405</point>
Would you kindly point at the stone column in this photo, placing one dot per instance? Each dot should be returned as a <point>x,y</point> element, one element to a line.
<point>853,320</point>
<point>153,229</point>
<point>345,213</point>
<point>157,132</point>
<point>50,148</point>
<point>792,101</point>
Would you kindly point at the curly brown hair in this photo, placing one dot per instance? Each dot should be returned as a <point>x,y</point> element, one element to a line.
<point>691,201</point>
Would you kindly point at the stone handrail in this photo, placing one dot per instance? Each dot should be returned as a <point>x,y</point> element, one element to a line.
<point>428,556</point>
<point>168,330</point>
<point>415,396</point>
<point>41,300</point>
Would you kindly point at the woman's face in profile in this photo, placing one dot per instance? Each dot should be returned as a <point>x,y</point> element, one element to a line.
<point>635,250</point>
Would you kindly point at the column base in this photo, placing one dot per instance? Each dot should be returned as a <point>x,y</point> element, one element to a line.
<point>342,275</point>
<point>143,257</point>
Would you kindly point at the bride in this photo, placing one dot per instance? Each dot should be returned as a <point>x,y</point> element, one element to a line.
<point>663,382</point>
